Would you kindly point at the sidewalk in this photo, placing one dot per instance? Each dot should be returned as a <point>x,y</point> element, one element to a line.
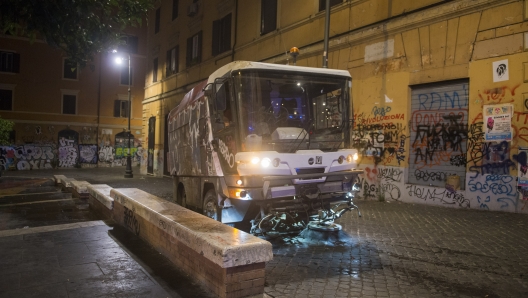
<point>88,259</point>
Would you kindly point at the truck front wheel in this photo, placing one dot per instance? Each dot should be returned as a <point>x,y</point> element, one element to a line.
<point>210,206</point>
<point>181,196</point>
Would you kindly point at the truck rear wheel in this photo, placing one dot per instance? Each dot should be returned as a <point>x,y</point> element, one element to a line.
<point>210,206</point>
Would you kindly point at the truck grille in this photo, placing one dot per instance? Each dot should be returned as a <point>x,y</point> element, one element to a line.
<point>310,171</point>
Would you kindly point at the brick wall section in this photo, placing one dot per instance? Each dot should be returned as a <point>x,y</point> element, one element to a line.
<point>240,281</point>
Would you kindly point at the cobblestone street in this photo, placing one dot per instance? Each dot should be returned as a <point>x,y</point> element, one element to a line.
<point>393,250</point>
<point>405,250</point>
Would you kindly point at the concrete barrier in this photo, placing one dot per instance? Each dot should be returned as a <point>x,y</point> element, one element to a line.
<point>229,262</point>
<point>67,184</point>
<point>58,179</point>
<point>99,199</point>
<point>79,189</point>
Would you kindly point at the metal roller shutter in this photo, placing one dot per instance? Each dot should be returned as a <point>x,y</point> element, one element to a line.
<point>439,126</point>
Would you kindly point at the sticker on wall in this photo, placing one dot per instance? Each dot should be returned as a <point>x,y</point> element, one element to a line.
<point>501,71</point>
<point>497,122</point>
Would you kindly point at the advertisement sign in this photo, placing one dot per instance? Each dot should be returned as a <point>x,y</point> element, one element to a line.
<point>497,122</point>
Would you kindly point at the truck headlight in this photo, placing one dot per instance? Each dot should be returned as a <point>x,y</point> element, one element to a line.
<point>255,160</point>
<point>349,158</point>
<point>265,162</point>
<point>356,156</point>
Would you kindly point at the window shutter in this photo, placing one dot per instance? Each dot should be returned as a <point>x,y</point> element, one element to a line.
<point>216,37</point>
<point>16,62</point>
<point>189,52</point>
<point>117,108</point>
<point>155,70</point>
<point>168,63</point>
<point>157,21</point>
<point>199,47</point>
<point>132,44</point>
<point>174,9</point>
<point>175,59</point>
<point>268,16</point>
<point>227,33</point>
<point>126,108</point>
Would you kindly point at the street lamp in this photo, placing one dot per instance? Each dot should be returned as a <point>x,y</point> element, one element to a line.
<point>128,170</point>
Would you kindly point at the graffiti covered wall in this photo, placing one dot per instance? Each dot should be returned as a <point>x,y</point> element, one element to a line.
<point>46,147</point>
<point>449,162</point>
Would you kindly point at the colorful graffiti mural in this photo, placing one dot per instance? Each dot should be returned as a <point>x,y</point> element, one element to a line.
<point>69,151</point>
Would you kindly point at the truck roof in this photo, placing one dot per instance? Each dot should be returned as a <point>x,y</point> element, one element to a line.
<point>239,65</point>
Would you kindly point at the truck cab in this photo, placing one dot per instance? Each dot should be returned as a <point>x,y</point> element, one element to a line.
<point>266,145</point>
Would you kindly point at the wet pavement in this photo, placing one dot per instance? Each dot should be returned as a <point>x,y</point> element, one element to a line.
<point>393,250</point>
<point>35,202</point>
<point>405,250</point>
<point>52,245</point>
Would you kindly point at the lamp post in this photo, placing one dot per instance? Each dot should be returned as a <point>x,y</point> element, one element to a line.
<point>128,170</point>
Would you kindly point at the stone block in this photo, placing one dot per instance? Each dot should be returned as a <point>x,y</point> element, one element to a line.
<point>80,189</point>
<point>228,262</point>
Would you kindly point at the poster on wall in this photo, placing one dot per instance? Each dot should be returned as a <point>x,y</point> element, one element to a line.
<point>501,71</point>
<point>522,173</point>
<point>522,167</point>
<point>497,122</point>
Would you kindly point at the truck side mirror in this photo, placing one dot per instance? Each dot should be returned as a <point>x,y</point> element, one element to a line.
<point>208,90</point>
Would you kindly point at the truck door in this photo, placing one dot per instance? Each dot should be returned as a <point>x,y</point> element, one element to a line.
<point>224,127</point>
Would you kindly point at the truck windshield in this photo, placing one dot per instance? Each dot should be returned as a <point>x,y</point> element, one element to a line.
<point>286,111</point>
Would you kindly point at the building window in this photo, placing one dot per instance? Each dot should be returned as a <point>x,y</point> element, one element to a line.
<point>69,69</point>
<point>175,9</point>
<point>6,99</point>
<point>322,3</point>
<point>172,62</point>
<point>194,49</point>
<point>155,70</point>
<point>9,62</point>
<point>129,45</point>
<point>121,108</point>
<point>69,104</point>
<point>124,76</point>
<point>222,35</point>
<point>268,16</point>
<point>157,21</point>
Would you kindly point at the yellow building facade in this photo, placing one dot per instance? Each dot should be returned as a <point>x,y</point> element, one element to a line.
<point>65,115</point>
<point>440,99</point>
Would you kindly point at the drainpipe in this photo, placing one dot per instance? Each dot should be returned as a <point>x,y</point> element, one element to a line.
<point>235,37</point>
<point>327,29</point>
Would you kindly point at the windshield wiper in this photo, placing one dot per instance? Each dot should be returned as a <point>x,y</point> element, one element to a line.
<point>304,128</point>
